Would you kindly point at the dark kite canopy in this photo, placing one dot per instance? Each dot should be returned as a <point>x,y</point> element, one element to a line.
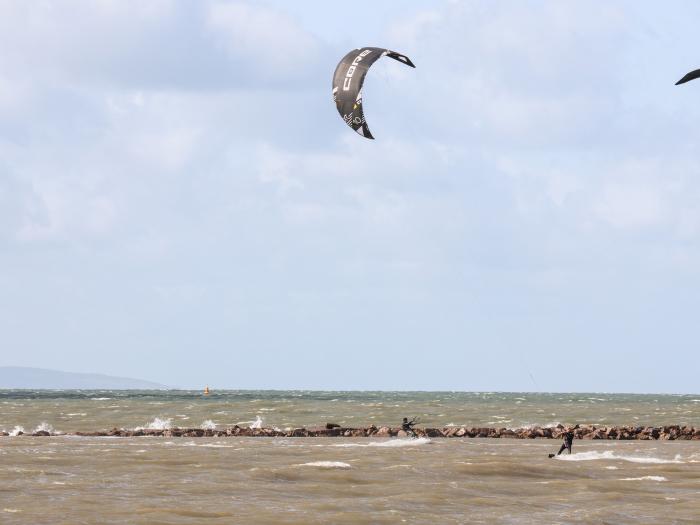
<point>347,84</point>
<point>690,76</point>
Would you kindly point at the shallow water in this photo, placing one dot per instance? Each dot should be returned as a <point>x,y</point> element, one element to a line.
<point>261,480</point>
<point>98,410</point>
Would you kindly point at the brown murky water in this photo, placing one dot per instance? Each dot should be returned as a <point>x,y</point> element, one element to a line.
<point>72,480</point>
<point>260,480</point>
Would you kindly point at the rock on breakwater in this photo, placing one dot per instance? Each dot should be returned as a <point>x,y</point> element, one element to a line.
<point>671,432</point>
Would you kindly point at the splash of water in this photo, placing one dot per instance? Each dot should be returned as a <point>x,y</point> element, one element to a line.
<point>158,424</point>
<point>44,427</point>
<point>610,455</point>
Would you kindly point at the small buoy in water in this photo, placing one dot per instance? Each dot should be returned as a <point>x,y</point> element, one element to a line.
<point>206,390</point>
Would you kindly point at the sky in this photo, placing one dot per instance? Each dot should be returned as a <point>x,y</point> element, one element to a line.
<point>181,202</point>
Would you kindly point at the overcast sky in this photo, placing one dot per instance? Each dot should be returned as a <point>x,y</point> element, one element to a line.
<point>181,202</point>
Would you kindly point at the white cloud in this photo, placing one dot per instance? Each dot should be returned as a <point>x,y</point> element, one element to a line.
<point>631,206</point>
<point>252,32</point>
<point>518,172</point>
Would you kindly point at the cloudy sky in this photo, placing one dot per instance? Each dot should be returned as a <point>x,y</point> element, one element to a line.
<point>180,201</point>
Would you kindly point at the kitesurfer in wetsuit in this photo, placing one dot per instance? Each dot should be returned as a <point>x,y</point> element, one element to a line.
<point>407,426</point>
<point>568,441</point>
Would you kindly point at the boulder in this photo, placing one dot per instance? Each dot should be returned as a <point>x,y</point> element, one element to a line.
<point>383,432</point>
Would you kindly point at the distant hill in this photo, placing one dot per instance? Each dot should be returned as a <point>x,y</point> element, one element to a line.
<point>14,377</point>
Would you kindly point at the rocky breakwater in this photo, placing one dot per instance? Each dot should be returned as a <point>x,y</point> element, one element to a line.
<point>671,432</point>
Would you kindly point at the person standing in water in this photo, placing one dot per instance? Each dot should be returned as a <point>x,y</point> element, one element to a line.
<point>407,426</point>
<point>568,441</point>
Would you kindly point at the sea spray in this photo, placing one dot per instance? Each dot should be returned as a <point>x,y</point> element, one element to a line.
<point>391,443</point>
<point>326,465</point>
<point>158,424</point>
<point>44,427</point>
<point>610,455</point>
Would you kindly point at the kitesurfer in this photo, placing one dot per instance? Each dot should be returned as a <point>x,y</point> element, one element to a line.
<point>407,426</point>
<point>568,441</point>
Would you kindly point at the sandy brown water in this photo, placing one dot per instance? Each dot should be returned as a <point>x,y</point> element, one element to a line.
<point>262,480</point>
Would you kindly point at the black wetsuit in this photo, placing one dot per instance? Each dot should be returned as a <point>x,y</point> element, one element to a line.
<point>568,441</point>
<point>407,426</point>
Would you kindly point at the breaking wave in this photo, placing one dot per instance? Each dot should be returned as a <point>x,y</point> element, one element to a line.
<point>645,478</point>
<point>257,423</point>
<point>392,443</point>
<point>208,425</point>
<point>15,431</point>
<point>326,464</point>
<point>610,455</point>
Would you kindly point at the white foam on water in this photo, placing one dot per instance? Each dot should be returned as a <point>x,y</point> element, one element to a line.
<point>100,398</point>
<point>326,465</point>
<point>11,510</point>
<point>158,424</point>
<point>77,414</point>
<point>610,468</point>
<point>15,431</point>
<point>392,443</point>
<point>610,455</point>
<point>44,427</point>
<point>645,478</point>
<point>208,425</point>
<point>257,423</point>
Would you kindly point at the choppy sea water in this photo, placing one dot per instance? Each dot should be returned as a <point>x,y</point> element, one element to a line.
<point>344,481</point>
<point>98,410</point>
<point>152,480</point>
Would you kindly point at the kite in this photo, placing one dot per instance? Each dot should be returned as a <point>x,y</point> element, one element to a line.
<point>690,76</point>
<point>347,84</point>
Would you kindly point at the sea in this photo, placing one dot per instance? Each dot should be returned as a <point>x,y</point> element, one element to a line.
<point>66,479</point>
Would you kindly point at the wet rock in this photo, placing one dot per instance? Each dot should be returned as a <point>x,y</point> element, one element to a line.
<point>383,432</point>
<point>669,432</point>
<point>41,433</point>
<point>329,426</point>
